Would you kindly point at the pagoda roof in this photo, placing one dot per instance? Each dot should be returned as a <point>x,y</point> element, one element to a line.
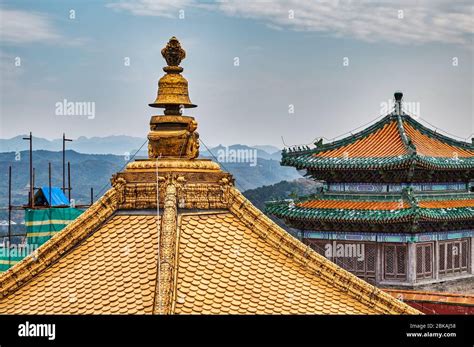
<point>379,209</point>
<point>394,142</point>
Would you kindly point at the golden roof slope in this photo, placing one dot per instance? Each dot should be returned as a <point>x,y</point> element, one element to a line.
<point>98,276</point>
<point>174,236</point>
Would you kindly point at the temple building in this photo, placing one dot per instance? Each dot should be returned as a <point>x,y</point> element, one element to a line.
<point>174,236</point>
<point>396,207</point>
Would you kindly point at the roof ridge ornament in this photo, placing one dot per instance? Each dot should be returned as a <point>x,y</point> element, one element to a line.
<point>173,93</point>
<point>173,53</point>
<point>398,95</point>
<point>173,135</point>
<point>407,142</point>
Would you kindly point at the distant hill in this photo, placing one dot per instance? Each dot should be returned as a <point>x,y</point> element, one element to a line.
<point>267,148</point>
<point>118,145</point>
<point>99,145</point>
<point>221,151</point>
<point>279,191</point>
<point>87,170</point>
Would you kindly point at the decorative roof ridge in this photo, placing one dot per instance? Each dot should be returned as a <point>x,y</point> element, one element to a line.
<point>409,196</point>
<point>167,253</point>
<point>278,238</point>
<point>433,134</point>
<point>407,142</point>
<point>344,141</point>
<point>61,243</point>
<point>415,210</point>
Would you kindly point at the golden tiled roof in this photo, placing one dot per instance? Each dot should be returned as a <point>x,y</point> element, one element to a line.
<point>226,268</point>
<point>113,271</point>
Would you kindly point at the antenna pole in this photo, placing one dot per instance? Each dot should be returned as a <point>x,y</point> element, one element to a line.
<point>49,180</point>
<point>92,196</point>
<point>33,190</point>
<point>69,181</point>
<point>30,138</point>
<point>9,212</point>
<point>64,161</point>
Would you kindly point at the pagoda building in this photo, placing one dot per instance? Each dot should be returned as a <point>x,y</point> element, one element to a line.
<point>174,236</point>
<point>396,207</point>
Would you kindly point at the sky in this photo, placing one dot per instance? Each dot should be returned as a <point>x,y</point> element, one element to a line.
<point>261,72</point>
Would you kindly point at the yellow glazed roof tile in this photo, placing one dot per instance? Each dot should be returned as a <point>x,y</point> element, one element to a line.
<point>252,286</point>
<point>98,276</point>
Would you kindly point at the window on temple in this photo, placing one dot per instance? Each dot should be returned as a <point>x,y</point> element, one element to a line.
<point>364,268</point>
<point>424,260</point>
<point>395,262</point>
<point>453,257</point>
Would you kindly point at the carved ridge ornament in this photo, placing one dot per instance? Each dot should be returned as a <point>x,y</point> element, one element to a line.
<point>173,53</point>
<point>167,241</point>
<point>194,165</point>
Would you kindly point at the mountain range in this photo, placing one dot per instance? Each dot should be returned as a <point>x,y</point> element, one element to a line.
<point>118,145</point>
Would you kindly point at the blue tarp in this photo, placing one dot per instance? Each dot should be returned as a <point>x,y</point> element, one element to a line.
<point>57,197</point>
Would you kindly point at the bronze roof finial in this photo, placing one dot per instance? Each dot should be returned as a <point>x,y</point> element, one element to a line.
<point>173,88</point>
<point>173,135</point>
<point>173,53</point>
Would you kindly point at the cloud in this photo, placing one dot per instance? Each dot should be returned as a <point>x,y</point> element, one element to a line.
<point>158,8</point>
<point>20,27</point>
<point>10,69</point>
<point>401,22</point>
<point>398,22</point>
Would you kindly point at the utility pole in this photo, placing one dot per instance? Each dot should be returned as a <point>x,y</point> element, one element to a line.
<point>34,176</point>
<point>64,161</point>
<point>9,213</point>
<point>49,183</point>
<point>69,182</point>
<point>31,199</point>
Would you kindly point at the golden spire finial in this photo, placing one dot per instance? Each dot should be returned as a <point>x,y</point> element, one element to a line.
<point>173,135</point>
<point>173,53</point>
<point>173,93</point>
